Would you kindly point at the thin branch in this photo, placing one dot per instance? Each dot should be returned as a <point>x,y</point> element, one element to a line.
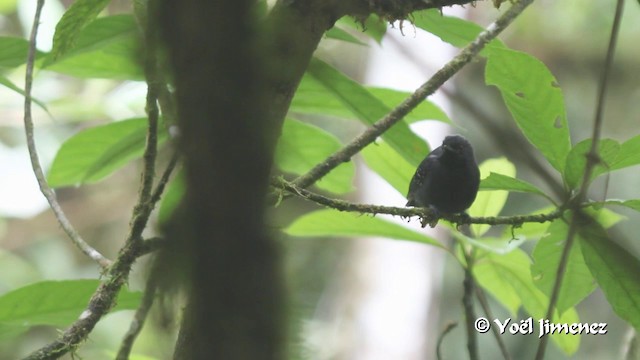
<point>482,299</point>
<point>46,190</point>
<point>444,333</point>
<point>138,320</point>
<point>592,160</point>
<point>410,103</point>
<point>164,179</point>
<point>105,296</point>
<point>425,214</point>
<point>467,302</point>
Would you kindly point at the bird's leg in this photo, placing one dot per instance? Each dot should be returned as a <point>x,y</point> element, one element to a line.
<point>465,219</point>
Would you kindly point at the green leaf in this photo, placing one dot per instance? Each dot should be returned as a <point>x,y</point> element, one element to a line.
<point>490,203</point>
<point>369,110</point>
<point>501,182</point>
<point>534,99</point>
<point>577,283</point>
<point>373,26</point>
<point>496,245</point>
<point>79,14</point>
<point>7,83</point>
<point>508,279</point>
<point>314,98</point>
<point>55,303</point>
<point>335,223</point>
<point>302,146</point>
<point>629,154</point>
<point>14,52</point>
<point>425,111</point>
<point>489,272</point>
<point>615,270</point>
<point>171,198</point>
<point>95,153</point>
<point>631,204</point>
<point>107,48</point>
<point>452,30</point>
<point>577,160</point>
<point>387,163</point>
<point>338,34</point>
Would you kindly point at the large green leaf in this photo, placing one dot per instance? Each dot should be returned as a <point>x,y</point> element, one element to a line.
<point>314,98</point>
<point>55,303</point>
<point>302,146</point>
<point>14,51</point>
<point>508,278</point>
<point>490,203</point>
<point>368,109</point>
<point>629,154</point>
<point>68,29</point>
<point>335,223</point>
<point>615,270</point>
<point>577,159</point>
<point>497,181</point>
<point>95,153</point>
<point>489,273</point>
<point>577,283</point>
<point>534,99</point>
<point>107,48</point>
<point>387,163</point>
<point>425,111</point>
<point>453,30</point>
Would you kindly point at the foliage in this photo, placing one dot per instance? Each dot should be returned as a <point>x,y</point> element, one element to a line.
<point>90,46</point>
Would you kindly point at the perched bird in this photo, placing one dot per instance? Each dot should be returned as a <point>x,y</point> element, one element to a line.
<point>447,180</point>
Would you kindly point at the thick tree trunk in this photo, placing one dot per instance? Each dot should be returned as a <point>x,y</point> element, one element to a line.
<point>235,297</point>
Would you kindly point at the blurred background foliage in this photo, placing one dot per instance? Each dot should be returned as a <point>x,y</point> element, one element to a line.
<point>568,36</point>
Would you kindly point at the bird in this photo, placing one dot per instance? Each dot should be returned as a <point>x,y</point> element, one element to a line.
<point>447,180</point>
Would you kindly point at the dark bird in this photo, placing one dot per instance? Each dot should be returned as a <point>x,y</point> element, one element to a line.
<point>447,180</point>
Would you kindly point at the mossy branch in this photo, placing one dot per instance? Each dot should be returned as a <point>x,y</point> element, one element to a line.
<point>425,215</point>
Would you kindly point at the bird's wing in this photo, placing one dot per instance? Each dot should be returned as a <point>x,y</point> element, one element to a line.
<point>422,172</point>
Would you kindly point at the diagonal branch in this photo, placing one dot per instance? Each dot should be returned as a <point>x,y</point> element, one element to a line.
<point>410,103</point>
<point>592,160</point>
<point>46,190</point>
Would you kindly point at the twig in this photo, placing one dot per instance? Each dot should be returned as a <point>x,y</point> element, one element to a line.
<point>467,302</point>
<point>138,319</point>
<point>104,297</point>
<point>164,179</point>
<point>592,160</point>
<point>447,329</point>
<point>482,299</point>
<point>424,214</point>
<point>46,190</point>
<point>427,89</point>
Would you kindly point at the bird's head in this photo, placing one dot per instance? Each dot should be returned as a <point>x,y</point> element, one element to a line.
<point>456,145</point>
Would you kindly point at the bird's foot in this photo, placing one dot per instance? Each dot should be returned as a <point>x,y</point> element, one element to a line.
<point>432,219</point>
<point>464,220</point>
